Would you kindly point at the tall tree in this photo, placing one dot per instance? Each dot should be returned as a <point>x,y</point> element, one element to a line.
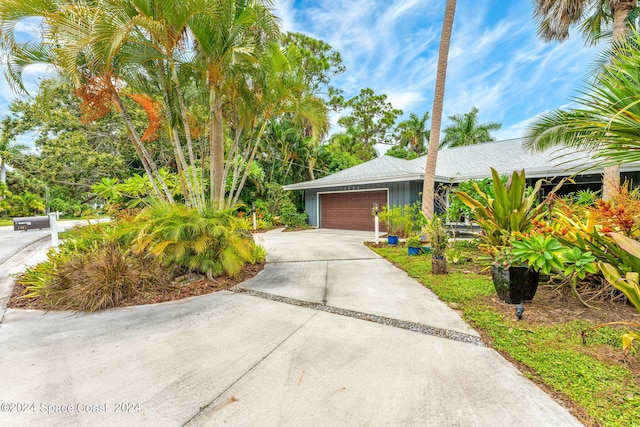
<point>350,142</point>
<point>465,130</point>
<point>595,18</point>
<point>280,89</point>
<point>231,32</point>
<point>371,119</point>
<point>413,134</point>
<point>320,63</point>
<point>428,190</point>
<point>70,153</point>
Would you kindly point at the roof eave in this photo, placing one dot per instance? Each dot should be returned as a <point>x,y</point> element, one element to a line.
<point>309,185</point>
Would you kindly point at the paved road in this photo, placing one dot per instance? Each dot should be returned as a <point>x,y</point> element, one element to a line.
<point>20,249</point>
<point>237,359</point>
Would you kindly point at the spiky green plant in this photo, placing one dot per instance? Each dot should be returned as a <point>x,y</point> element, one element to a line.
<point>209,242</point>
<point>510,210</point>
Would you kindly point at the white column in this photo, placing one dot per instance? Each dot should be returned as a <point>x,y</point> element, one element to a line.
<point>53,224</point>
<point>377,230</point>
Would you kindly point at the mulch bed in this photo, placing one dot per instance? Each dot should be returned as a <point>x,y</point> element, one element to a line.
<point>171,293</point>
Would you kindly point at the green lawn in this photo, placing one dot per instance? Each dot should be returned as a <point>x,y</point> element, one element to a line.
<point>553,355</point>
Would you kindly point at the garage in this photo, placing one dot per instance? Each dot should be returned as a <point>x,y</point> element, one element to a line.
<point>350,210</point>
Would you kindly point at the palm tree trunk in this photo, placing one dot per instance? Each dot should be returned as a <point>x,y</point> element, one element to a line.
<point>428,189</point>
<point>144,156</point>
<point>621,10</point>
<point>187,188</point>
<point>197,185</point>
<point>216,154</point>
<point>312,163</point>
<point>230,160</point>
<point>250,161</point>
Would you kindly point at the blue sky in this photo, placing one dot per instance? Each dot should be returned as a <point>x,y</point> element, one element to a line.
<point>496,62</point>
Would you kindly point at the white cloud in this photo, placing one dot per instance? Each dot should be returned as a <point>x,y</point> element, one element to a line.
<point>286,11</point>
<point>406,101</point>
<point>496,62</point>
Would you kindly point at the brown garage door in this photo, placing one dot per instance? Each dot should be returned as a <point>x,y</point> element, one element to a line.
<point>350,211</point>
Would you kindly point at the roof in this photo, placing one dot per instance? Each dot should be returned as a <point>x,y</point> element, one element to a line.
<point>463,163</point>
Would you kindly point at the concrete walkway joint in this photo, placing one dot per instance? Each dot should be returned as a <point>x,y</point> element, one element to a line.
<point>396,323</point>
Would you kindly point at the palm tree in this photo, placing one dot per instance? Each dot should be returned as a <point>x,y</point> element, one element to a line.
<point>413,133</point>
<point>83,43</point>
<point>229,33</point>
<point>609,122</point>
<point>282,90</point>
<point>555,18</point>
<point>428,190</point>
<point>465,130</point>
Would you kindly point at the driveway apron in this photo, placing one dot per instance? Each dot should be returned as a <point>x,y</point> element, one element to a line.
<point>289,348</point>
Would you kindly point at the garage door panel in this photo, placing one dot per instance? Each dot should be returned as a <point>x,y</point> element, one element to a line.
<point>350,211</point>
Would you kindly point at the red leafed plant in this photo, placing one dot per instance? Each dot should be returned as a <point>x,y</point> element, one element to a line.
<point>95,94</point>
<point>151,108</point>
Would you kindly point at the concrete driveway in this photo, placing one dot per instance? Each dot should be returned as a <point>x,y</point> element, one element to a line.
<point>245,359</point>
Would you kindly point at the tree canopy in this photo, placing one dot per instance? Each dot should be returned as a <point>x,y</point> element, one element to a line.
<point>465,130</point>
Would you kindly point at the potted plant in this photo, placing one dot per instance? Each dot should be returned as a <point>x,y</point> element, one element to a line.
<point>414,244</point>
<point>510,211</point>
<point>393,217</point>
<point>439,236</point>
<point>514,281</point>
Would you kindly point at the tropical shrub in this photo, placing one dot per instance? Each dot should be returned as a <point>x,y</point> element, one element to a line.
<point>103,264</point>
<point>438,236</point>
<point>457,208</point>
<point>414,241</point>
<point>103,277</point>
<point>402,221</point>
<point>211,242</point>
<point>26,204</point>
<point>628,283</point>
<point>93,270</point>
<point>290,216</point>
<point>545,254</point>
<point>511,210</point>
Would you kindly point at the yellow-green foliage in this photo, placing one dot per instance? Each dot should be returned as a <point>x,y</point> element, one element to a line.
<point>212,242</point>
<point>628,283</point>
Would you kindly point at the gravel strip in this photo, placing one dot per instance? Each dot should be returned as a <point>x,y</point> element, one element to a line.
<point>322,260</point>
<point>396,323</point>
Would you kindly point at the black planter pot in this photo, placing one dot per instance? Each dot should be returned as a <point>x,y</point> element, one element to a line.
<point>515,285</point>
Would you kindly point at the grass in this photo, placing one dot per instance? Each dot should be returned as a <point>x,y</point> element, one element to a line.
<point>557,356</point>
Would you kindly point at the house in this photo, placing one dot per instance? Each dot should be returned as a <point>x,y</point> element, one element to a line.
<point>344,200</point>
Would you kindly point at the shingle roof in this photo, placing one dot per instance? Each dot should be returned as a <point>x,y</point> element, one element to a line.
<point>464,163</point>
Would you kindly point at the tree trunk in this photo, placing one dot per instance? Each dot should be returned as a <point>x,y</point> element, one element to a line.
<point>216,153</point>
<point>621,10</point>
<point>3,171</point>
<point>428,189</point>
<point>197,185</point>
<point>230,161</point>
<point>187,188</point>
<point>145,157</point>
<point>312,164</point>
<point>250,161</point>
